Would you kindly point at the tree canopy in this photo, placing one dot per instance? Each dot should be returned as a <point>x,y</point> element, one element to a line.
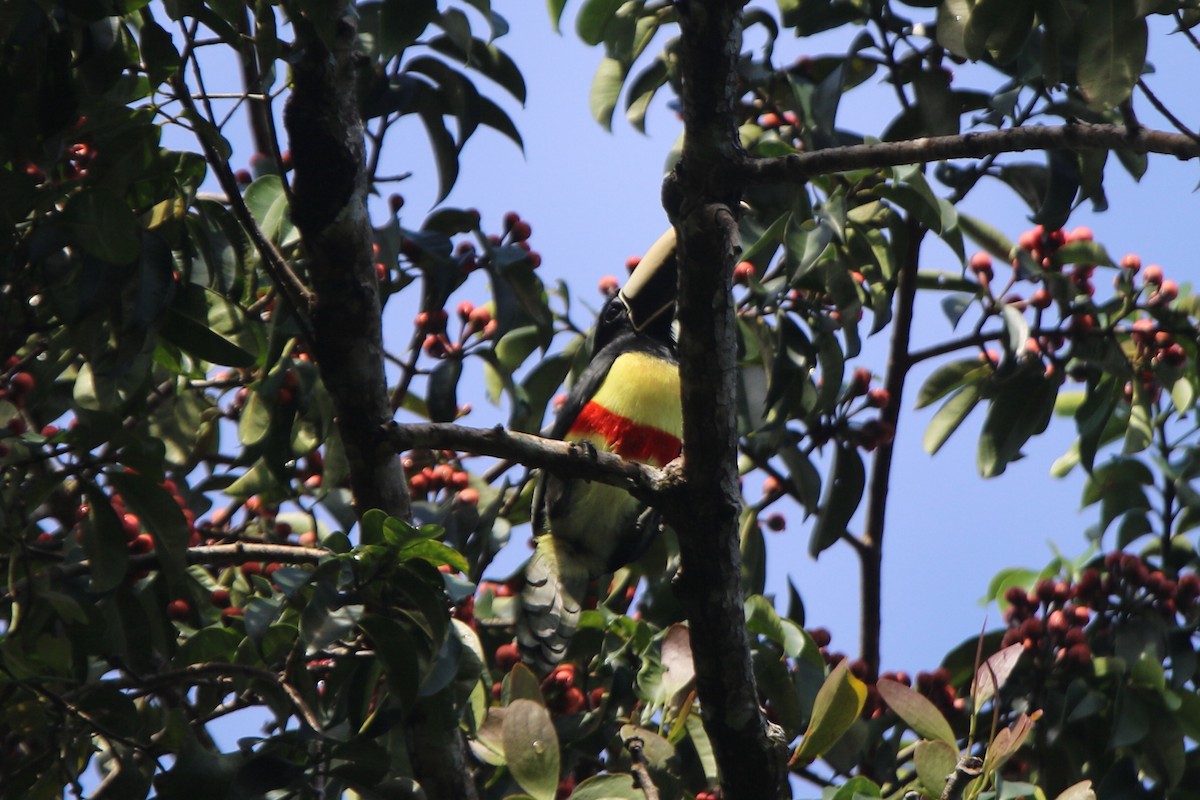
<point>222,487</point>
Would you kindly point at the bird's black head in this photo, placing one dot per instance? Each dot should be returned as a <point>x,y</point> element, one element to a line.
<point>645,306</point>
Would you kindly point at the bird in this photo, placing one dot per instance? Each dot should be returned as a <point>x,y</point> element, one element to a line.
<point>625,401</point>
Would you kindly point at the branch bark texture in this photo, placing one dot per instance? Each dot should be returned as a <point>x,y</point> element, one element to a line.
<point>705,509</point>
<point>325,135</point>
<point>328,149</point>
<point>1074,136</point>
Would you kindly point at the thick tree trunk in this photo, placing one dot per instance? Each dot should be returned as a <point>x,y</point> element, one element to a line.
<point>705,509</point>
<point>325,135</point>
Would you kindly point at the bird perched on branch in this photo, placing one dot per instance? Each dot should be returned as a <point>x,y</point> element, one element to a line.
<point>626,401</point>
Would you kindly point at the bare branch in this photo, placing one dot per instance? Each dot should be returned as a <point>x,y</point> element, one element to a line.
<point>641,774</point>
<point>566,459</point>
<point>1074,136</point>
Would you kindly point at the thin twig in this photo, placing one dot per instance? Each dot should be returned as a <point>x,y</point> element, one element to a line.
<point>641,775</point>
<point>1166,112</point>
<point>967,770</point>
<point>298,296</point>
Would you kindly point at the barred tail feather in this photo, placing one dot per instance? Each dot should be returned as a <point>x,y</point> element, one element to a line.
<point>555,586</point>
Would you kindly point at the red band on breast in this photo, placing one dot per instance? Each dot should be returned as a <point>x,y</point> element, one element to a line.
<point>626,438</point>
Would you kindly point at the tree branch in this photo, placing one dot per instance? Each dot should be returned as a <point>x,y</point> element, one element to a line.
<point>704,506</point>
<point>1074,136</point>
<point>899,363</point>
<point>325,136</point>
<point>565,459</point>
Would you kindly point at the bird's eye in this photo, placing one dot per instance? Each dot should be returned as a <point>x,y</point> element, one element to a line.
<point>613,310</point>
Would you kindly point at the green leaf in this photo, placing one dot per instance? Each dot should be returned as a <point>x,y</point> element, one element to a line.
<point>917,711</point>
<point>763,620</point>
<point>1021,408</point>
<point>948,377</point>
<point>934,761</point>
<point>998,27</point>
<point>594,18</point>
<point>842,495</point>
<point>610,786</point>
<point>642,90</point>
<point>203,323</point>
<point>104,542</point>
<point>952,413</point>
<point>100,223</point>
<point>397,652</point>
<point>987,237</point>
<point>994,673</point>
<point>401,22</point>
<point>442,391</point>
<point>838,704</point>
<point>952,19</point>
<point>255,420</point>
<point>159,514</point>
<point>1112,51</point>
<point>606,89</point>
<point>531,748</point>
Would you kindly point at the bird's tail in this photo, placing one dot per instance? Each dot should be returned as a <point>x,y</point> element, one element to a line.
<point>556,583</point>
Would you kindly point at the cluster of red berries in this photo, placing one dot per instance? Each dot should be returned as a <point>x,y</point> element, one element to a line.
<point>430,472</point>
<point>1065,621</point>
<point>934,685</point>
<point>74,161</point>
<point>477,324</point>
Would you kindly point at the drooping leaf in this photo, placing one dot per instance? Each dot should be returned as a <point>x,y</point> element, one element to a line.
<point>1112,51</point>
<point>917,711</point>
<point>838,704</point>
<point>842,495</point>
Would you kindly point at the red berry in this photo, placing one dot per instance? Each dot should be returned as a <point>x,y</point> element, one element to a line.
<point>142,543</point>
<point>511,218</point>
<point>743,272</point>
<point>232,612</point>
<point>220,597</point>
<point>1167,292</point>
<point>981,265</point>
<point>609,285</point>
<point>632,262</point>
<point>178,609</point>
<point>20,385</point>
<point>1131,262</point>
<point>521,231</point>
<point>252,568</point>
<point>507,656</point>
<point>1153,274</point>
<point>878,397</point>
<point>573,701</point>
<point>1040,299</point>
<point>464,310</point>
<point>395,203</point>
<point>1081,234</point>
<point>776,522</point>
<point>469,496</point>
<point>479,317</point>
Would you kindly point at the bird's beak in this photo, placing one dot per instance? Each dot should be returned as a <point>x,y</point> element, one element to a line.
<point>649,294</point>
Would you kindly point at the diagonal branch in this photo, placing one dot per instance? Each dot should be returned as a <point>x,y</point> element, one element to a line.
<point>565,459</point>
